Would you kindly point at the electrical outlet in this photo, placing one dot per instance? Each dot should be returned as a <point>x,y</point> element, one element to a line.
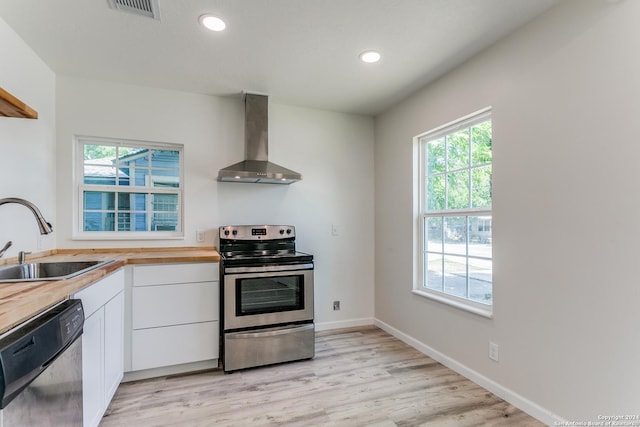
<point>493,351</point>
<point>335,230</point>
<point>336,305</point>
<point>200,236</point>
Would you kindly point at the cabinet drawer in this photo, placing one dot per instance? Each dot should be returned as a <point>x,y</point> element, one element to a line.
<point>99,293</point>
<point>163,274</point>
<point>166,305</point>
<point>174,345</point>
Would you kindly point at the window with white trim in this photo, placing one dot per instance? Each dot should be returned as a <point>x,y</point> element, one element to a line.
<point>455,222</point>
<point>128,189</point>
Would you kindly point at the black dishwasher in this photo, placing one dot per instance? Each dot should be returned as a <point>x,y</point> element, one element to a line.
<point>41,369</point>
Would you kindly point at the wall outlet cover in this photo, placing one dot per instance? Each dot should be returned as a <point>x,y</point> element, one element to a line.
<point>494,351</point>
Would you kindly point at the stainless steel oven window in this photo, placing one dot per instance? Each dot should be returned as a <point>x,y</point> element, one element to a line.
<point>258,295</point>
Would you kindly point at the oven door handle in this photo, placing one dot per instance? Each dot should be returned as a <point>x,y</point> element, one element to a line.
<point>270,332</point>
<point>268,268</point>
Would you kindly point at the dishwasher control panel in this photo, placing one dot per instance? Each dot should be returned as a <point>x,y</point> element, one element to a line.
<point>71,322</point>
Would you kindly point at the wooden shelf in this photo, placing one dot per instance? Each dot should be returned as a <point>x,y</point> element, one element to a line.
<point>10,106</point>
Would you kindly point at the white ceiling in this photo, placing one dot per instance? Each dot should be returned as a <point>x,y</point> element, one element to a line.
<point>300,52</point>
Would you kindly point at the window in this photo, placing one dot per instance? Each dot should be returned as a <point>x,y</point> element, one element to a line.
<point>128,189</point>
<point>455,221</point>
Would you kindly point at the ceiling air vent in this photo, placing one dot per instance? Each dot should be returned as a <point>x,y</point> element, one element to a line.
<point>148,8</point>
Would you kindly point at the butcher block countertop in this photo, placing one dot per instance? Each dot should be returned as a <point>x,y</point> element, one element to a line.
<point>20,301</point>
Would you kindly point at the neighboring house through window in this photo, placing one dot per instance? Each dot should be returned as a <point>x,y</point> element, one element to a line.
<point>128,189</point>
<point>454,226</point>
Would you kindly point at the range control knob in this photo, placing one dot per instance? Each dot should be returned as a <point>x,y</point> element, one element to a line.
<point>288,231</point>
<point>226,232</point>
<point>234,232</point>
<point>281,231</point>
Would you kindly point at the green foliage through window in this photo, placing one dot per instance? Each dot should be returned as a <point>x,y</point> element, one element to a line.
<point>459,169</point>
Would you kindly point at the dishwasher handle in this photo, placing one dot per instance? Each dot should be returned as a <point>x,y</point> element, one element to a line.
<point>25,347</point>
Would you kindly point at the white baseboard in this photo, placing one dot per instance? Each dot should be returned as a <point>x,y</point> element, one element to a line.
<point>515,399</point>
<point>326,326</point>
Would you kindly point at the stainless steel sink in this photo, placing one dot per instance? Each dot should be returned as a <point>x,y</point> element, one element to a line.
<point>47,270</point>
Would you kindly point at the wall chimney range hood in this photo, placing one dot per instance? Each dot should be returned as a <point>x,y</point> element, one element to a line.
<point>256,168</point>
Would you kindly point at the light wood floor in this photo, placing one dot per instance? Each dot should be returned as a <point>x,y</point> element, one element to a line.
<point>359,377</point>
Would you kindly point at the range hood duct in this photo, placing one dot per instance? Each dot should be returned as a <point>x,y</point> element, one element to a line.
<point>256,168</point>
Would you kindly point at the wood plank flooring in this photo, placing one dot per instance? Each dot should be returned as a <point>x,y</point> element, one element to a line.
<point>359,377</point>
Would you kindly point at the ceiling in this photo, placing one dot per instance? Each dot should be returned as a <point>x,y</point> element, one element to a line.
<point>300,52</point>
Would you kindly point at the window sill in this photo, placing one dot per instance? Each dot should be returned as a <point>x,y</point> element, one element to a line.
<point>102,235</point>
<point>457,303</point>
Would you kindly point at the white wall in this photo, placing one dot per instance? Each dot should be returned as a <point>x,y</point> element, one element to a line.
<point>333,151</point>
<point>565,93</point>
<point>27,163</point>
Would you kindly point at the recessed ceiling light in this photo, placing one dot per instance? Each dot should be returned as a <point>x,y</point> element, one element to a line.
<point>212,22</point>
<point>370,56</point>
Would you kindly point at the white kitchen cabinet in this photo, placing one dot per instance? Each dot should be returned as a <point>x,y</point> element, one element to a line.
<point>166,274</point>
<point>113,345</point>
<point>174,318</point>
<point>102,344</point>
<point>173,345</point>
<point>92,369</point>
<point>176,304</point>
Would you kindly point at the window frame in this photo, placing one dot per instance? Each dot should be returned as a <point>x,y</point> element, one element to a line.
<point>80,188</point>
<point>421,213</point>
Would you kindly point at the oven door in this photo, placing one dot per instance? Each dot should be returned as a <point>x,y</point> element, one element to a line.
<point>267,295</point>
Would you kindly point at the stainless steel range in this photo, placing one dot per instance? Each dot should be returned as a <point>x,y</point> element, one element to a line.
<point>266,297</point>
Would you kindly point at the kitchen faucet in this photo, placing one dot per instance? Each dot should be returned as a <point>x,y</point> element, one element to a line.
<point>45,227</point>
<point>6,246</point>
<point>22,257</point>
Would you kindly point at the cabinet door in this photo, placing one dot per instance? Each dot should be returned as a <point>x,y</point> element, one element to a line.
<point>174,345</point>
<point>164,274</point>
<point>92,369</point>
<point>113,346</point>
<point>102,344</point>
<point>168,305</point>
